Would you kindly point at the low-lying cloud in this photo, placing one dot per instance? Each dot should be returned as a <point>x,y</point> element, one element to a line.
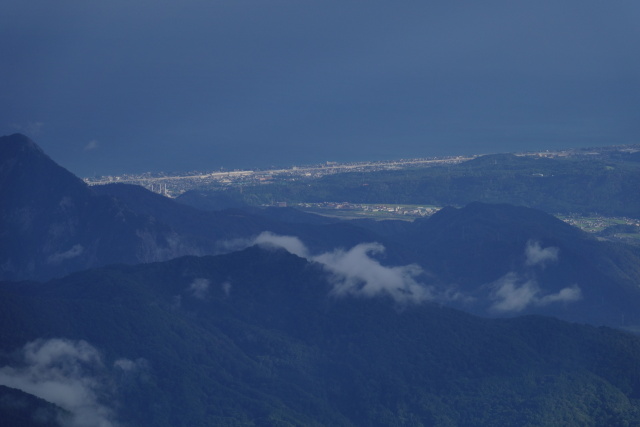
<point>199,288</point>
<point>355,272</point>
<point>232,245</point>
<point>65,373</point>
<point>290,243</point>
<point>569,294</point>
<point>58,257</point>
<point>537,255</point>
<point>513,294</point>
<point>92,145</point>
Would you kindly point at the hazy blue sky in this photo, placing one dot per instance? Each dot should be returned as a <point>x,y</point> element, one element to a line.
<point>113,86</point>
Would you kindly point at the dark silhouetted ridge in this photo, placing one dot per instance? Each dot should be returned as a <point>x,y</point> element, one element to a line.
<point>51,223</point>
<point>475,247</point>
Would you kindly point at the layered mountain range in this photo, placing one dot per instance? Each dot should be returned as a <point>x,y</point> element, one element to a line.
<point>52,223</point>
<point>121,307</point>
<point>490,259</point>
<point>261,337</point>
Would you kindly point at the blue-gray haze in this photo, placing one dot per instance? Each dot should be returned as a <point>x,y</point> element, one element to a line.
<point>130,86</point>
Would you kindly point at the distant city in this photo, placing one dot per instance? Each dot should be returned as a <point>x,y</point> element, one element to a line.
<point>172,185</point>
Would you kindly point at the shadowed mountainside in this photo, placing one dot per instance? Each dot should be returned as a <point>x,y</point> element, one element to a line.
<point>477,258</point>
<point>506,260</point>
<point>52,223</point>
<point>256,338</point>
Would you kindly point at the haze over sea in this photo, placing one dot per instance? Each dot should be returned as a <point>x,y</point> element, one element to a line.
<point>122,87</point>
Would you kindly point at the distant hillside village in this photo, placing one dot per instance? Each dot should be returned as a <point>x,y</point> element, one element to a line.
<point>372,210</point>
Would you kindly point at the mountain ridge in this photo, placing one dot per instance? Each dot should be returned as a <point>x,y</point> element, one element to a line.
<point>275,346</point>
<point>303,321</point>
<point>476,257</point>
<point>51,222</point>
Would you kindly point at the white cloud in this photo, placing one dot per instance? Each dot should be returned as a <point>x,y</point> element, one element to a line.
<point>536,255</point>
<point>125,364</point>
<point>59,257</point>
<point>570,294</point>
<point>63,372</point>
<point>128,365</point>
<point>290,243</point>
<point>512,294</point>
<point>91,145</point>
<point>199,288</point>
<point>233,245</point>
<point>355,272</point>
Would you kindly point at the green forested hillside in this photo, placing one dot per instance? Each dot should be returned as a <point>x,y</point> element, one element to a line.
<point>349,335</point>
<point>255,338</point>
<point>477,248</point>
<point>20,409</point>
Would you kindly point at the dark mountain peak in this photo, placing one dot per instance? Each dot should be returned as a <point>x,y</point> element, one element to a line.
<point>494,251</point>
<point>11,145</point>
<point>482,242</point>
<point>260,257</point>
<point>503,219</point>
<point>24,167</point>
<point>51,222</point>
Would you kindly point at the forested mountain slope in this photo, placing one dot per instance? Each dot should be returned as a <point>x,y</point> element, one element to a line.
<point>257,337</point>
